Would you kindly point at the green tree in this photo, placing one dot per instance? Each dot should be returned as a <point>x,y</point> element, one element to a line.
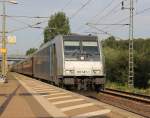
<point>58,24</point>
<point>31,51</point>
<point>116,65</point>
<point>116,60</point>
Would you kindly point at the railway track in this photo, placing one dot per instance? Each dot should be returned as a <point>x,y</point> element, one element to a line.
<point>132,96</point>
<point>135,103</point>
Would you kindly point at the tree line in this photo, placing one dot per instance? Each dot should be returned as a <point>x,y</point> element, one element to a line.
<point>116,61</point>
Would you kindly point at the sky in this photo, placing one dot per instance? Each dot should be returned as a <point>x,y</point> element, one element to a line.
<point>96,12</point>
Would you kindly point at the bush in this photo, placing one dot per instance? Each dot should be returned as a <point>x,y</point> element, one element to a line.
<point>116,60</point>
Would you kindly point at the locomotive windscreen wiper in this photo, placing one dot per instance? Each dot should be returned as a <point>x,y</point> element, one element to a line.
<point>75,52</point>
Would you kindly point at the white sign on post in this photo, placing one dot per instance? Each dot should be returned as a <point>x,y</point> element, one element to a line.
<point>11,39</point>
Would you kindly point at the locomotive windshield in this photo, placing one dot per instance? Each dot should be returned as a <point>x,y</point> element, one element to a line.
<point>71,50</point>
<point>81,50</point>
<point>90,50</point>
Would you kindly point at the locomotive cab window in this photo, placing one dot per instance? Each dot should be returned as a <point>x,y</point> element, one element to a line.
<point>81,50</point>
<point>90,50</point>
<point>71,50</point>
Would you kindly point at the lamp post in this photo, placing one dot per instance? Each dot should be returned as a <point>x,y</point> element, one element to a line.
<point>3,49</point>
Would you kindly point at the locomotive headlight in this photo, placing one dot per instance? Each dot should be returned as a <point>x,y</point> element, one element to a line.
<point>69,72</point>
<point>96,71</point>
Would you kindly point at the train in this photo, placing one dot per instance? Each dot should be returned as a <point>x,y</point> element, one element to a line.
<point>67,61</point>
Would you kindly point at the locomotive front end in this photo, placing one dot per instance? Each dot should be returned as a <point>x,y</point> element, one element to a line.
<point>83,63</point>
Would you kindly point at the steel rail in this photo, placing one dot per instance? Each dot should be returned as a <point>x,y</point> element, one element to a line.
<point>127,95</point>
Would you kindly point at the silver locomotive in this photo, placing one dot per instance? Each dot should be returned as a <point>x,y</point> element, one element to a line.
<point>71,61</point>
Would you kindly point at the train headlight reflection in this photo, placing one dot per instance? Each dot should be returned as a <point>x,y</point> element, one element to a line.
<point>96,71</point>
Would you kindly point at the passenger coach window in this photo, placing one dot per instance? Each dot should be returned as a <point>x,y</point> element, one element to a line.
<point>71,50</point>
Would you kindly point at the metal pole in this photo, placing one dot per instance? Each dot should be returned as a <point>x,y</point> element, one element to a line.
<point>131,48</point>
<point>4,54</point>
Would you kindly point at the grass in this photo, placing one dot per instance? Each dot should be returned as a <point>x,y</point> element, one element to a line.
<point>121,87</point>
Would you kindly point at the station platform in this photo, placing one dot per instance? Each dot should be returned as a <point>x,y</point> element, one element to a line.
<point>25,97</point>
<point>17,102</point>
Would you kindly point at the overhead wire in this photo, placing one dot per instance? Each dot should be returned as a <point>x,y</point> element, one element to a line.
<point>30,17</point>
<point>66,5</point>
<point>107,6</point>
<point>108,14</point>
<point>126,18</point>
<point>119,21</point>
<point>100,12</point>
<point>105,32</point>
<point>28,26</point>
<point>79,10</point>
<point>22,22</point>
<point>142,11</point>
<point>39,17</point>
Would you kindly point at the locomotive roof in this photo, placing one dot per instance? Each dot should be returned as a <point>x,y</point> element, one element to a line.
<point>65,37</point>
<point>69,37</point>
<point>79,37</point>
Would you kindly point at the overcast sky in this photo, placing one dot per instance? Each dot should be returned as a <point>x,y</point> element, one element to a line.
<point>96,11</point>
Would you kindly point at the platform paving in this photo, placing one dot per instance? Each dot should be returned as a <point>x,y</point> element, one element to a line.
<point>17,102</point>
<point>25,97</point>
